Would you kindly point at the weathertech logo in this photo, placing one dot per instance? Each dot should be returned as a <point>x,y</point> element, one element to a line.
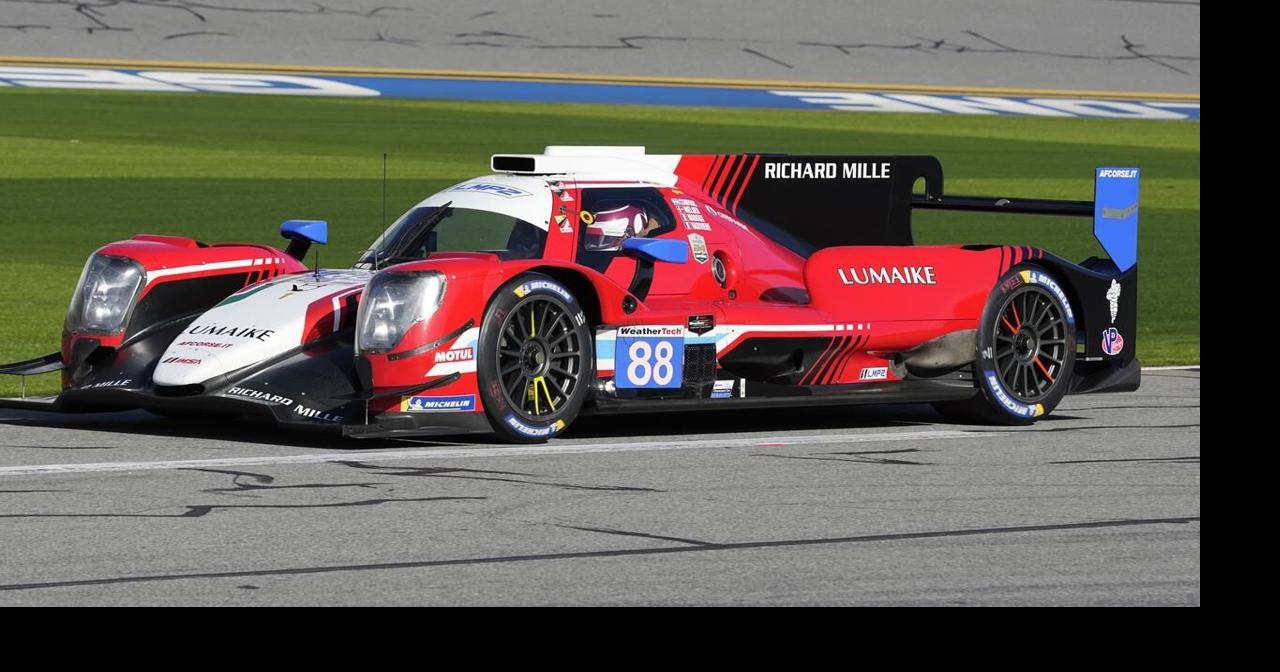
<point>888,275</point>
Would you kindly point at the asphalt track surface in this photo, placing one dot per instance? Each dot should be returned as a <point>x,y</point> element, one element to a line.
<point>1098,504</point>
<point>1118,45</point>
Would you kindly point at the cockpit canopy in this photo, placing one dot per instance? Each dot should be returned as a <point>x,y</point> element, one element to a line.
<point>503,214</point>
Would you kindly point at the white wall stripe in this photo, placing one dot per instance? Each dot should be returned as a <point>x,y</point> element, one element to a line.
<point>551,449</point>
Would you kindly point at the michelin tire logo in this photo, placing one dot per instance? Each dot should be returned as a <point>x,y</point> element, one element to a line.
<point>461,403</point>
<point>528,287</point>
<point>529,430</point>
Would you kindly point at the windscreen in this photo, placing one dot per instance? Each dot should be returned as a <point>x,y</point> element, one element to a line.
<point>424,230</point>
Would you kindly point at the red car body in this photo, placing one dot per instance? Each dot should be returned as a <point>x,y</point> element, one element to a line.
<point>798,285</point>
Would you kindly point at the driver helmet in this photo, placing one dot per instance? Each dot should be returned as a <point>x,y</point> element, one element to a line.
<point>608,228</point>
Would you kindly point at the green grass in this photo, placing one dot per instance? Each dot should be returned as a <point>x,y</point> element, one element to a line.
<point>80,169</point>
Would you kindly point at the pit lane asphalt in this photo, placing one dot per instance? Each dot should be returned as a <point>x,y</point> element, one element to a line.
<point>1124,45</point>
<point>1097,504</point>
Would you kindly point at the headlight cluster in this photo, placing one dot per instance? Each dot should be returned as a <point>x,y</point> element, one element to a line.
<point>107,289</point>
<point>394,302</point>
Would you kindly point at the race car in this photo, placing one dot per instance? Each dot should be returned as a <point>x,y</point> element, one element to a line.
<point>610,280</point>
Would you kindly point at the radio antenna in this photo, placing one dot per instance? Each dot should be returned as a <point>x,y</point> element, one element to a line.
<point>383,223</point>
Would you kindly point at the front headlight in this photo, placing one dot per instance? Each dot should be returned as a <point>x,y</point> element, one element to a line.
<point>106,291</point>
<point>394,302</point>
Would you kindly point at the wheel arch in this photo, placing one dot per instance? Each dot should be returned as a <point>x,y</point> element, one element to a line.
<point>580,285</point>
<point>1067,274</point>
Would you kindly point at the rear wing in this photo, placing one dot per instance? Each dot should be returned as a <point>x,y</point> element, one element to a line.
<point>1114,210</point>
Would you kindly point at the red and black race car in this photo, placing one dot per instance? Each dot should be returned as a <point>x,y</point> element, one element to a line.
<point>608,280</point>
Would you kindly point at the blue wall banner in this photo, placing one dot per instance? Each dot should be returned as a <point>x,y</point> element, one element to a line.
<point>523,90</point>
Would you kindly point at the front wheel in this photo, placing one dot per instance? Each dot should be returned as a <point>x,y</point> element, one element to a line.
<point>534,359</point>
<point>1026,351</point>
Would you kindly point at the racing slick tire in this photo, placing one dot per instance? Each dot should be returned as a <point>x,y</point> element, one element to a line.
<point>535,360</point>
<point>1026,351</point>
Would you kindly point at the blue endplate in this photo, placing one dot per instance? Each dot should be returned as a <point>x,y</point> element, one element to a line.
<point>1115,214</point>
<point>306,230</point>
<point>657,249</point>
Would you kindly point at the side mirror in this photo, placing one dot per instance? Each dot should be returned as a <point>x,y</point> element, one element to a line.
<point>657,249</point>
<point>302,233</point>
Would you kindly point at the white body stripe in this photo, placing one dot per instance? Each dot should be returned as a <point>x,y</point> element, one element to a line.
<point>152,276</point>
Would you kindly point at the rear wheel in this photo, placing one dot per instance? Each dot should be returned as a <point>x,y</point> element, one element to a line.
<point>1026,351</point>
<point>535,359</point>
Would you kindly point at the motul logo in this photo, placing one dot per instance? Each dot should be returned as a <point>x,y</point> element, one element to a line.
<point>888,275</point>
<point>459,355</point>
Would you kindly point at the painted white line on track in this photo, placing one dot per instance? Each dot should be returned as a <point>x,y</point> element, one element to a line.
<point>500,451</point>
<point>1183,367</point>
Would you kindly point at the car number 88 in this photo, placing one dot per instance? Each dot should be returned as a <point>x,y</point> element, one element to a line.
<point>651,363</point>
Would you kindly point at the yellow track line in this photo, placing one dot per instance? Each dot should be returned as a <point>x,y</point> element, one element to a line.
<point>590,79</point>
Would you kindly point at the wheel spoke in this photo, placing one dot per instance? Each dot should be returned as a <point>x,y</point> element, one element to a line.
<point>1004,373</point>
<point>511,334</point>
<point>568,330</point>
<point>542,321</point>
<point>1043,369</point>
<point>1049,326</point>
<point>519,381</point>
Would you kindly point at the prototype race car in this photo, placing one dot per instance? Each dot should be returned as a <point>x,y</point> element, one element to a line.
<point>608,280</point>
